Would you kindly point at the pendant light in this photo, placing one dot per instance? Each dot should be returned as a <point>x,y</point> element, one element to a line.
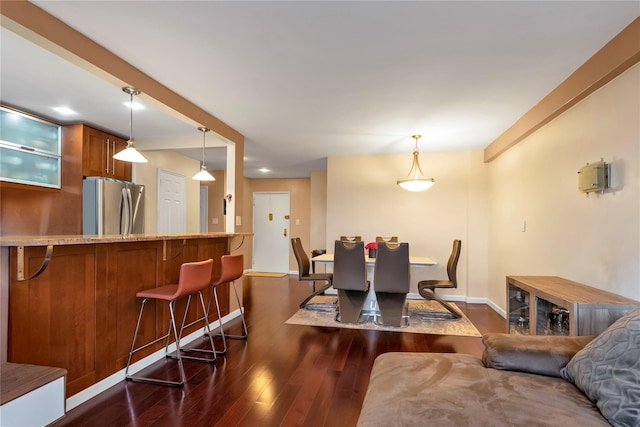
<point>203,175</point>
<point>416,181</point>
<point>130,154</point>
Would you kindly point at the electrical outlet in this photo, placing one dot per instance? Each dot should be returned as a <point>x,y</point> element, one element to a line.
<point>214,221</point>
<point>523,228</point>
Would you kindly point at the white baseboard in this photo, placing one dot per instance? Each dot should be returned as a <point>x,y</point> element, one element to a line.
<point>114,379</point>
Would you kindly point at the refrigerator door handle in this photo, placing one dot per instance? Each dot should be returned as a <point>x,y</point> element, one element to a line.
<point>135,209</point>
<point>125,210</point>
<point>130,216</point>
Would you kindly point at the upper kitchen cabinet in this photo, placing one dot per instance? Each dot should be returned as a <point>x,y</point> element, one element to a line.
<point>29,149</point>
<point>98,148</point>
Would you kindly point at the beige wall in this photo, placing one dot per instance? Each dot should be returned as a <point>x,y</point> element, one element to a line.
<point>318,218</point>
<point>300,193</point>
<point>147,174</point>
<point>364,199</point>
<point>215,206</point>
<point>593,240</point>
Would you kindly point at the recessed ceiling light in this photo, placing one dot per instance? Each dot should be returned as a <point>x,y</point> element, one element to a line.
<point>135,105</point>
<point>264,170</point>
<point>65,111</point>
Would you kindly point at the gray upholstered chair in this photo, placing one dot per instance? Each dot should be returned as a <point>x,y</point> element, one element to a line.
<point>350,280</point>
<point>391,279</point>
<point>426,288</point>
<point>304,275</point>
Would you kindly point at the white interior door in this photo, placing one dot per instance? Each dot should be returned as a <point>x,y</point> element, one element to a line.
<point>172,210</point>
<point>271,237</point>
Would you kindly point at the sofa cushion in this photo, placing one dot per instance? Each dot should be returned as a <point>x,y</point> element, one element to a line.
<point>607,370</point>
<point>535,354</point>
<point>440,389</point>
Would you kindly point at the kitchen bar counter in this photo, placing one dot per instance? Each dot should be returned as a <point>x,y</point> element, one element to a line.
<point>70,301</point>
<point>91,239</point>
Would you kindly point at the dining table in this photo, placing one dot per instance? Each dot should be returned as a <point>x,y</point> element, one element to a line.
<point>371,303</point>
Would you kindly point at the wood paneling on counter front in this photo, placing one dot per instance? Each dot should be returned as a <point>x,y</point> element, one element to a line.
<point>81,312</point>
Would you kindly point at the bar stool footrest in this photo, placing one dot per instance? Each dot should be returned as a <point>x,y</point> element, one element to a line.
<point>233,337</point>
<point>134,378</point>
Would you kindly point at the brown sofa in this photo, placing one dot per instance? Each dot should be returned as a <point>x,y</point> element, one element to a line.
<point>518,382</point>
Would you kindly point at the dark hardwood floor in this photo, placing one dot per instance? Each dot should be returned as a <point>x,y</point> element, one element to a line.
<point>283,375</point>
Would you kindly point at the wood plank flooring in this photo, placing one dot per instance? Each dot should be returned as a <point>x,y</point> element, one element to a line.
<point>283,375</point>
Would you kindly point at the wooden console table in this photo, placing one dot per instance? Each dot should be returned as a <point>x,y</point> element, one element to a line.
<point>549,305</point>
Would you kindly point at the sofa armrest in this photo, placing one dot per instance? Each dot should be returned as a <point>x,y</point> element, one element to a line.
<point>535,354</point>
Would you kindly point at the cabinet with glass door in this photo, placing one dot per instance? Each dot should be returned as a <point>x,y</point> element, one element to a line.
<point>29,149</point>
<point>550,305</point>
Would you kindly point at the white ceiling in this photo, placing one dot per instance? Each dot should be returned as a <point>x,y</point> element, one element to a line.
<point>306,80</point>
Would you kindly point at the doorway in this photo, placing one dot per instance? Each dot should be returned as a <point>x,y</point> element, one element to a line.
<point>271,232</point>
<point>172,212</point>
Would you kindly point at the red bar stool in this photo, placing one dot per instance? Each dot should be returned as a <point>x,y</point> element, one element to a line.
<point>232,269</point>
<point>194,277</point>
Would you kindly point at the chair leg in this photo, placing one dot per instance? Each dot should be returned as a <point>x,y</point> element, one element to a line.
<point>221,334</point>
<point>428,294</point>
<point>393,309</point>
<point>172,326</point>
<point>245,333</point>
<point>213,351</point>
<point>320,306</point>
<point>350,305</point>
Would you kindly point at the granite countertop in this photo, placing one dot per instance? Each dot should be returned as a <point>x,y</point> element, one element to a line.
<point>81,239</point>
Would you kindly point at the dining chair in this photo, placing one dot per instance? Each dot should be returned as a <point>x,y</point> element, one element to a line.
<point>351,238</point>
<point>391,239</point>
<point>194,277</point>
<point>304,275</point>
<point>426,288</point>
<point>350,280</point>
<point>391,283</point>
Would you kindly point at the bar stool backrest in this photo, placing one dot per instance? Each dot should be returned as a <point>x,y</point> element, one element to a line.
<point>194,276</point>
<point>232,268</point>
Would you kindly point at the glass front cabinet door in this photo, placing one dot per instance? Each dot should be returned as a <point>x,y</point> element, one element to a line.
<point>29,150</point>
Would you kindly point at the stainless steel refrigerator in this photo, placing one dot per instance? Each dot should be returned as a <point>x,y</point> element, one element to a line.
<point>110,206</point>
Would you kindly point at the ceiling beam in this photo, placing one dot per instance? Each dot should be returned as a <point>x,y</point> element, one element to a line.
<point>622,52</point>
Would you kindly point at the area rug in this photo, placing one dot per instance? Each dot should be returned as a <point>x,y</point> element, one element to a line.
<point>326,318</point>
<point>264,274</point>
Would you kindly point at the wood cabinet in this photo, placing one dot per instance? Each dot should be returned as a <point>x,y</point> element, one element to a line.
<point>98,148</point>
<point>549,305</point>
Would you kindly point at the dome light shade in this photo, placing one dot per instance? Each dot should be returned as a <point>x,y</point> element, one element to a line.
<point>203,175</point>
<point>415,180</point>
<point>130,154</point>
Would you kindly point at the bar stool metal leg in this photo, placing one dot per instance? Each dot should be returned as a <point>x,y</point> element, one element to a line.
<point>172,326</point>
<point>194,277</point>
<point>232,269</point>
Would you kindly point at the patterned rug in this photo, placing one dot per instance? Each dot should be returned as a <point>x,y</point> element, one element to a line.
<point>326,318</point>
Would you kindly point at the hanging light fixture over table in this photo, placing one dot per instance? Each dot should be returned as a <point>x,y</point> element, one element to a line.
<point>130,154</point>
<point>416,181</point>
<point>203,175</point>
